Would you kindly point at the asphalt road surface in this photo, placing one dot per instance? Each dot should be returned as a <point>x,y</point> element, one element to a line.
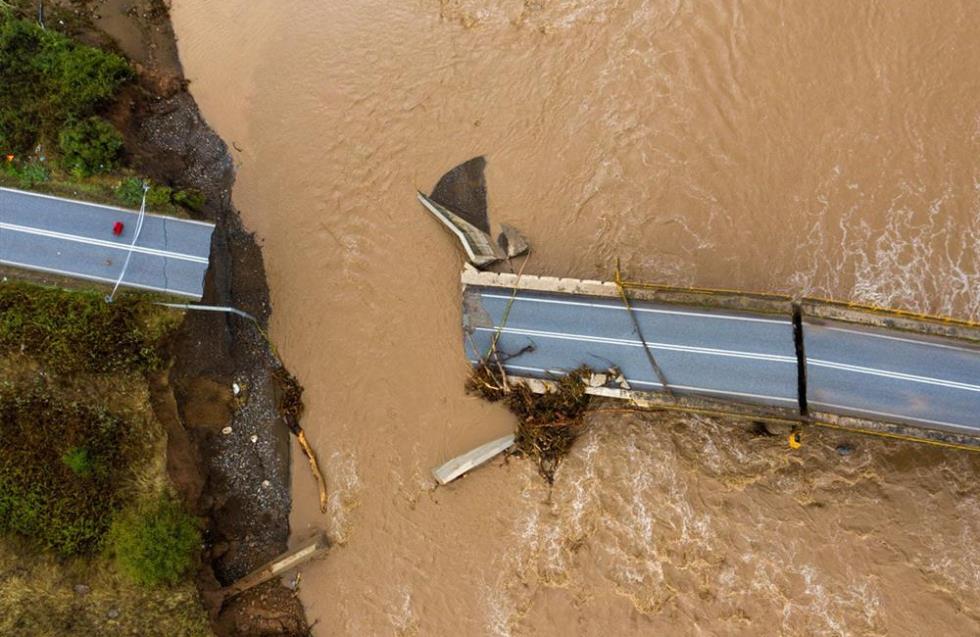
<point>851,370</point>
<point>75,239</point>
<point>895,376</point>
<point>721,354</point>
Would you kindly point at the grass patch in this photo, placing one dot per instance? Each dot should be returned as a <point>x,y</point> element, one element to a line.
<point>70,332</point>
<point>80,461</point>
<point>44,596</point>
<point>155,542</point>
<point>123,187</point>
<point>549,423</point>
<point>82,454</point>
<point>60,468</point>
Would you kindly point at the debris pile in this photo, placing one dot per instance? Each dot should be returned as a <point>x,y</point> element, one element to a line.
<point>548,423</point>
<point>291,408</point>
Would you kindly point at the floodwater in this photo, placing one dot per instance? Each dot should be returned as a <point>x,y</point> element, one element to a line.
<point>828,148</point>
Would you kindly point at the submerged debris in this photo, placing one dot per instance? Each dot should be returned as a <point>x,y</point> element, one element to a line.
<point>512,241</point>
<point>290,398</point>
<point>291,408</point>
<point>549,423</point>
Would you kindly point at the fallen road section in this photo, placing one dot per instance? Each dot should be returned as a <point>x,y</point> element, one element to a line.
<point>90,241</point>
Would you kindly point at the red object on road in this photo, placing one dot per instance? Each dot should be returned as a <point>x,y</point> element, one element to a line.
<point>117,228</point>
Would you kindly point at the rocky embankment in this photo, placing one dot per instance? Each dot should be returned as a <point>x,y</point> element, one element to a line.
<point>229,445</point>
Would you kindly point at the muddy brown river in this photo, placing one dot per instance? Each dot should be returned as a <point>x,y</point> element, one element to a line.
<point>828,148</point>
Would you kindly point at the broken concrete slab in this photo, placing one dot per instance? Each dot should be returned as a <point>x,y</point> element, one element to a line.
<point>480,250</point>
<point>512,241</point>
<point>459,465</point>
<point>464,191</point>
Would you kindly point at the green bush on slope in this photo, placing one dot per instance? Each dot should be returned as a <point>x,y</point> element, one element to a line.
<point>80,332</point>
<point>155,542</point>
<point>49,81</point>
<point>89,146</point>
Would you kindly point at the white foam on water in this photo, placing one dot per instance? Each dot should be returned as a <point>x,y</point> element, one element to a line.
<point>342,497</point>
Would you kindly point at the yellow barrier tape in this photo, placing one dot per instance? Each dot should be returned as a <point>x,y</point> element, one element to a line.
<point>814,299</point>
<point>789,421</point>
<point>895,312</point>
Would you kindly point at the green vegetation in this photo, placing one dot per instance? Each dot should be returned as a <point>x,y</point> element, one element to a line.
<point>24,175</point>
<point>89,146</point>
<point>42,496</point>
<point>52,134</point>
<point>85,501</point>
<point>130,193</point>
<point>79,461</point>
<point>155,542</point>
<point>50,83</point>
<point>42,595</point>
<point>64,457</point>
<point>80,332</point>
<point>190,198</point>
<point>88,523</point>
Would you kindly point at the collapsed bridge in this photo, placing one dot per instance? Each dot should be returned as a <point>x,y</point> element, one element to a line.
<point>808,360</point>
<point>761,356</point>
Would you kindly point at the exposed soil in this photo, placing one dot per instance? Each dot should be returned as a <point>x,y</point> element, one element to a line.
<point>238,480</point>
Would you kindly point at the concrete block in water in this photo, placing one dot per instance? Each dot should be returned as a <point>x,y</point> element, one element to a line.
<point>512,241</point>
<point>459,465</point>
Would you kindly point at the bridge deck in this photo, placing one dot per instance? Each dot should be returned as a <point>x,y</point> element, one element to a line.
<point>879,374</point>
<point>855,370</point>
<point>75,239</point>
<point>723,354</point>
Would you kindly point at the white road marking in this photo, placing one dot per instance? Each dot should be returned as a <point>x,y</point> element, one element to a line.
<point>92,277</point>
<point>99,205</point>
<point>872,371</point>
<point>61,236</point>
<point>844,408</point>
<point>621,307</point>
<point>656,384</point>
<point>895,338</point>
<point>774,358</point>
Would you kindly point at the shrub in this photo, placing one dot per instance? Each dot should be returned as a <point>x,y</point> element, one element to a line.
<point>49,80</point>
<point>130,193</point>
<point>190,198</point>
<point>89,146</point>
<point>158,196</point>
<point>79,332</point>
<point>26,174</point>
<point>32,174</point>
<point>154,543</point>
<point>79,461</point>
<point>50,491</point>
